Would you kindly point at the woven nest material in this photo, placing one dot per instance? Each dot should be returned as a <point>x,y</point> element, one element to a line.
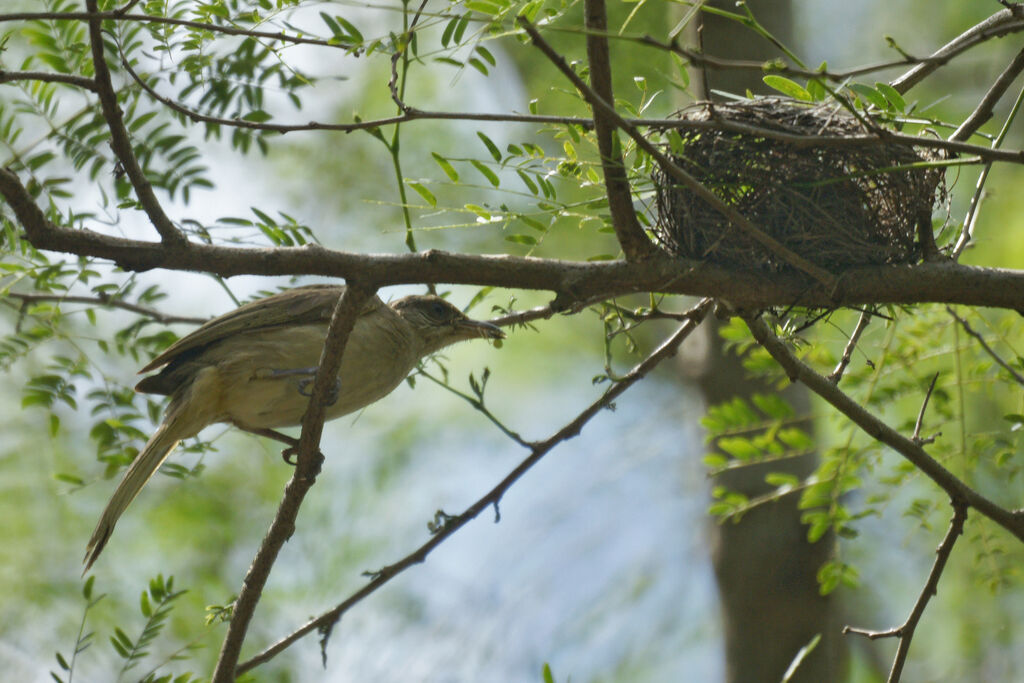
<point>835,205</point>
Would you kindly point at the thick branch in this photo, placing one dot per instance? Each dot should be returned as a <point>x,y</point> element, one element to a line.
<point>120,140</point>
<point>572,281</point>
<point>635,244</point>
<point>325,621</point>
<point>306,470</point>
<point>958,491</point>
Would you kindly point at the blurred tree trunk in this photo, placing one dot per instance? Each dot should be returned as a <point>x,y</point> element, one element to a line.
<point>765,567</point>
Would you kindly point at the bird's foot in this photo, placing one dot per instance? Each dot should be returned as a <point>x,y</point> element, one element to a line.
<point>291,457</point>
<point>306,389</point>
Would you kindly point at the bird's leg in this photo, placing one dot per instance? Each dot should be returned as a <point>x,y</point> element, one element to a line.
<point>304,386</point>
<point>287,454</point>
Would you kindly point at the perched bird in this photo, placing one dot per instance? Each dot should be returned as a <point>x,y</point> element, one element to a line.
<point>254,367</point>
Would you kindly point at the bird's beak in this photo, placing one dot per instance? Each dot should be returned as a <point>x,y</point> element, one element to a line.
<point>481,328</point>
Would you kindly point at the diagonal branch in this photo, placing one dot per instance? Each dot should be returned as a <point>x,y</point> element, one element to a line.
<point>306,470</point>
<point>121,142</point>
<point>635,244</point>
<point>906,632</point>
<point>960,492</point>
<point>735,217</point>
<point>983,112</point>
<point>450,525</point>
<point>1019,378</point>
<point>999,24</point>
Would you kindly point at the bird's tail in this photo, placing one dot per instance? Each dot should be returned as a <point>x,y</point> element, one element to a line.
<point>145,465</point>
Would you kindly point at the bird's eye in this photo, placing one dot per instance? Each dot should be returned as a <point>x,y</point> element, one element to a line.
<point>439,310</point>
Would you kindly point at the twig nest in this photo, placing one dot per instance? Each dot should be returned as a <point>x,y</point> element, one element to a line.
<point>837,204</point>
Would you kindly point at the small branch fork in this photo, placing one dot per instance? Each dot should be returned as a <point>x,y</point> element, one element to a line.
<point>451,524</point>
<point>862,324</point>
<point>306,470</point>
<point>905,633</point>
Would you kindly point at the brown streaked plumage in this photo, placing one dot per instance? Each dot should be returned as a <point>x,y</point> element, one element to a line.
<point>251,368</point>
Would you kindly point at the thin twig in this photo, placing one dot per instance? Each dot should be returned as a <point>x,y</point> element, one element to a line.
<point>45,77</point>
<point>399,53</point>
<point>306,470</point>
<point>107,301</point>
<point>412,114</point>
<point>326,621</point>
<point>988,349</point>
<point>905,633</point>
<point>862,324</point>
<point>120,141</point>
<point>117,15</point>
<point>916,438</point>
<point>955,488</point>
<point>974,210</point>
<point>479,405</point>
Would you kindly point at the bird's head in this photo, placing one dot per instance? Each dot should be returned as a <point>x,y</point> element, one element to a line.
<point>439,324</point>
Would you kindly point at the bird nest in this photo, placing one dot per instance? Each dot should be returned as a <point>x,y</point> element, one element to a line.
<point>837,205</point>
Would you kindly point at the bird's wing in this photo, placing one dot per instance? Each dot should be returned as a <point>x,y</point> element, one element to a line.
<point>298,306</point>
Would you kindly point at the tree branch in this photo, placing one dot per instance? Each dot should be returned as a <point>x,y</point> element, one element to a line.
<point>983,112</point>
<point>572,281</point>
<point>862,324</point>
<point>999,24</point>
<point>118,15</point>
<point>906,632</point>
<point>121,142</point>
<point>958,491</point>
<point>326,621</point>
<point>306,470</point>
<point>1019,378</point>
<point>44,77</point>
<point>634,242</point>
<point>107,301</point>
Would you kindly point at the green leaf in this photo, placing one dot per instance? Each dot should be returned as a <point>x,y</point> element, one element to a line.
<point>491,176</point>
<point>448,169</point>
<point>893,95</point>
<point>528,240</point>
<point>491,147</point>
<point>479,211</point>
<point>866,92</point>
<point>257,116</point>
<point>427,195</point>
<point>788,87</point>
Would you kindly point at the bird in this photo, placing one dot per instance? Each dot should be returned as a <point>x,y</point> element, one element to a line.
<point>254,366</point>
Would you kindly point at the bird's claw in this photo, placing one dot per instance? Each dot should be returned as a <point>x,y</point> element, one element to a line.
<point>306,389</point>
